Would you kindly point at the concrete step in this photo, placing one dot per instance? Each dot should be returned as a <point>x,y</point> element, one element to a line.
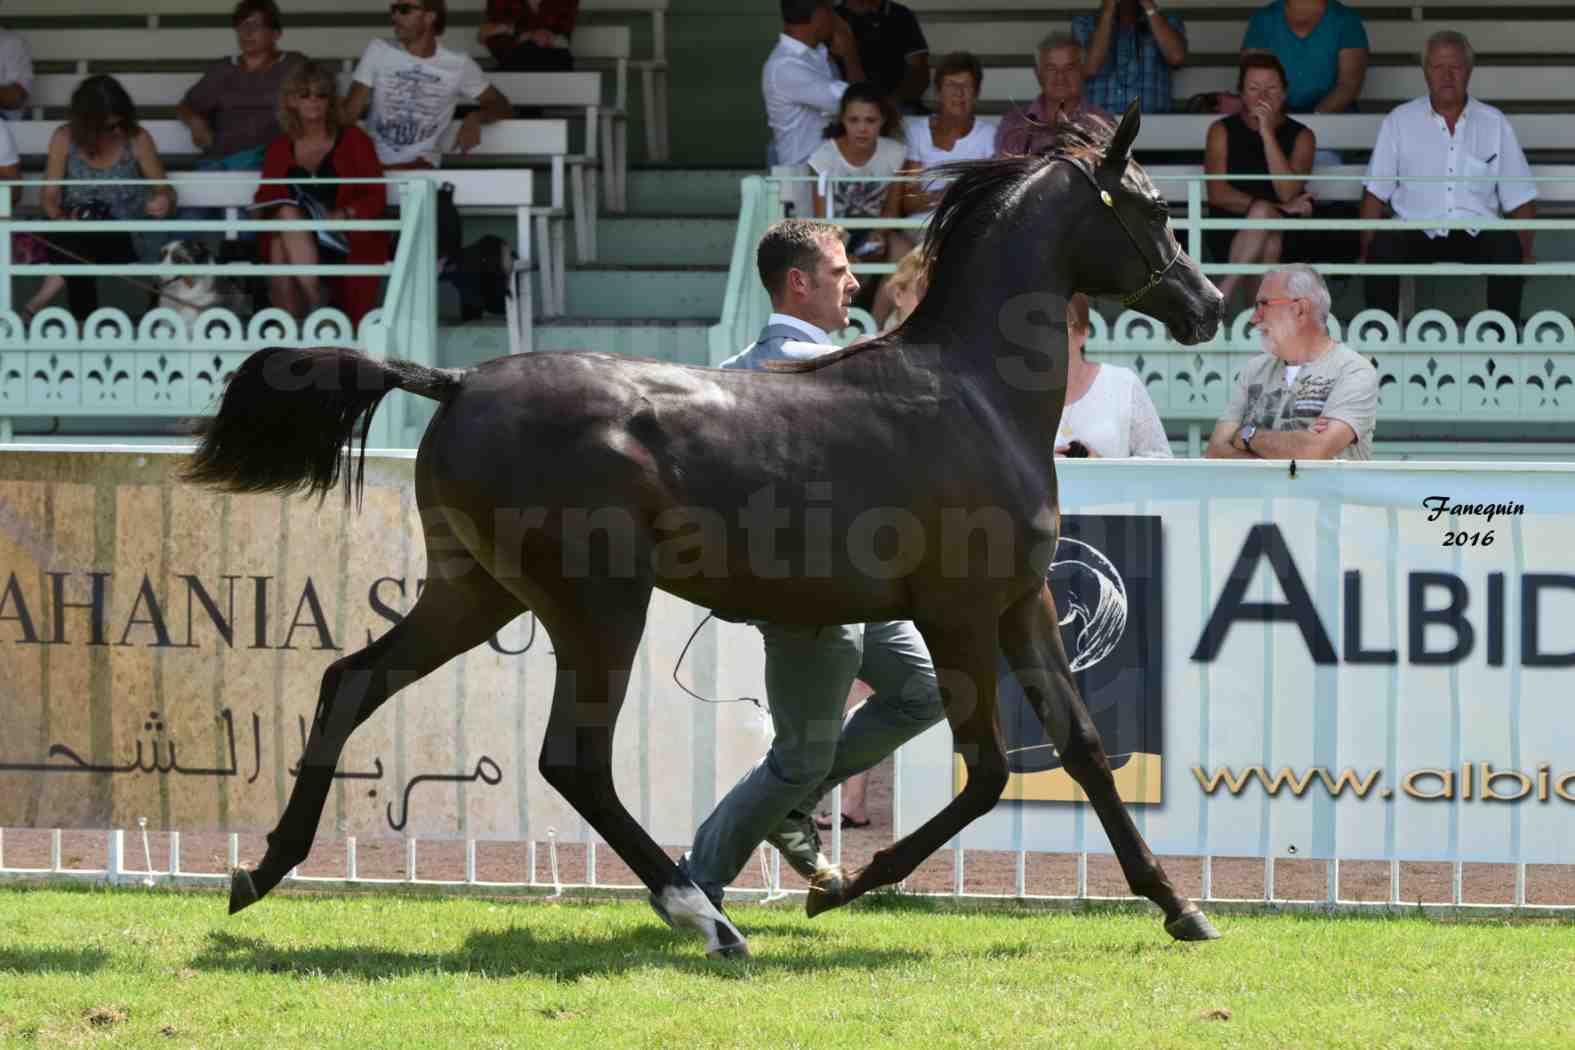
<point>681,341</point>
<point>625,292</point>
<point>619,292</point>
<point>685,191</point>
<point>663,240</point>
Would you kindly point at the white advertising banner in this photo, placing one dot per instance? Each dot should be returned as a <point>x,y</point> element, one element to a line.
<point>161,648</point>
<point>1361,661</point>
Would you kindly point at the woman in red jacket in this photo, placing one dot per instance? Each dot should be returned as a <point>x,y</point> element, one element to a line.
<point>314,146</point>
<point>530,36</point>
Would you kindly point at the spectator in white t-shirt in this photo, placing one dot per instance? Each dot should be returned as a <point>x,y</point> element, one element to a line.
<point>800,85</point>
<point>16,74</point>
<point>413,86</point>
<point>10,160</point>
<point>864,142</point>
<point>24,249</point>
<point>1108,413</point>
<point>952,133</point>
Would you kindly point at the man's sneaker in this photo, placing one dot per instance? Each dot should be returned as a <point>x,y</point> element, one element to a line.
<point>798,840</point>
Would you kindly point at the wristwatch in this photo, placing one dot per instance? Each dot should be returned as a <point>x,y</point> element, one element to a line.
<point>1247,433</point>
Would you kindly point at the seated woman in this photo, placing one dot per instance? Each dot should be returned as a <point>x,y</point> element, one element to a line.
<point>1323,44</point>
<point>865,141</point>
<point>313,146</point>
<point>1260,140</point>
<point>952,133</point>
<point>101,144</point>
<point>1108,413</point>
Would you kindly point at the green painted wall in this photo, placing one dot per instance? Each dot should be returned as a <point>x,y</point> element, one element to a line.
<point>715,52</point>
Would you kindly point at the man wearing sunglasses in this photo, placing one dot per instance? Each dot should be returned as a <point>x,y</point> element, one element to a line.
<point>412,87</point>
<point>1307,396</point>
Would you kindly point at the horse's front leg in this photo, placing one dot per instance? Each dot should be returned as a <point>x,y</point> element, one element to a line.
<point>965,662</point>
<point>1031,641</point>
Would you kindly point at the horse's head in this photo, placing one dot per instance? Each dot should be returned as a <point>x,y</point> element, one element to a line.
<point>1130,252</point>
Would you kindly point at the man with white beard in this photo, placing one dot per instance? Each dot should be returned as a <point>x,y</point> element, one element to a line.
<point>1307,396</point>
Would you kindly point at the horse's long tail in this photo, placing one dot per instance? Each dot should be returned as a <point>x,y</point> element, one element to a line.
<point>289,417</point>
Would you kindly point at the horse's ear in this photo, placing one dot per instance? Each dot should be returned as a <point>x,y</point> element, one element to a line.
<point>1121,143</point>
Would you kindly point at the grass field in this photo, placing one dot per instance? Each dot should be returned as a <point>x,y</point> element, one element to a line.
<point>136,969</point>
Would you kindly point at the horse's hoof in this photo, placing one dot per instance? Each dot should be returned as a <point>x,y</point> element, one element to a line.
<point>730,945</point>
<point>243,892</point>
<point>683,904</point>
<point>1192,925</point>
<point>827,890</point>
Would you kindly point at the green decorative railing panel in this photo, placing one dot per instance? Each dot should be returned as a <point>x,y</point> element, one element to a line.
<point>158,366</point>
<point>163,364</point>
<point>1434,370</point>
<point>110,365</point>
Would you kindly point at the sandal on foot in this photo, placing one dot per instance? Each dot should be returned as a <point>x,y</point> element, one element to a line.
<point>824,823</point>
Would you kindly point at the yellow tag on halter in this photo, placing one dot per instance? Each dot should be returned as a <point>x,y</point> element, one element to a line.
<point>1104,195</point>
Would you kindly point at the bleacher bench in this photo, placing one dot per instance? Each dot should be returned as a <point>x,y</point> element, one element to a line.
<point>503,189</point>
<point>580,92</point>
<point>1521,57</point>
<point>482,187</point>
<point>994,39</point>
<point>590,43</point>
<point>100,50</point>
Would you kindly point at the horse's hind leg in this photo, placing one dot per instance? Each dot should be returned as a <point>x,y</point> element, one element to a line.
<point>596,628</point>
<point>453,615</point>
<point>1031,640</point>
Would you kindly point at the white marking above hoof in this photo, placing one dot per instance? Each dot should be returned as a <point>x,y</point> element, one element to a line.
<point>687,906</point>
<point>826,890</point>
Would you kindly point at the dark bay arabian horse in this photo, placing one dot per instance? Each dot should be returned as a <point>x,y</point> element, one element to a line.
<point>571,484</point>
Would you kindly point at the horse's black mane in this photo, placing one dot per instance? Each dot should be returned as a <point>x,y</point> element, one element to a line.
<point>979,187</point>
<point>982,185</point>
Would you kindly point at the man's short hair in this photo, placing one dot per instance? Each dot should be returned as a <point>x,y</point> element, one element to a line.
<point>1304,282</point>
<point>439,8</point>
<point>792,244</point>
<point>960,62</point>
<point>267,8</point>
<point>798,12</point>
<point>1450,38</point>
<point>1059,39</point>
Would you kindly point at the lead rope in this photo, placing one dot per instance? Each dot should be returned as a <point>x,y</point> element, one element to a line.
<point>154,289</point>
<point>705,699</point>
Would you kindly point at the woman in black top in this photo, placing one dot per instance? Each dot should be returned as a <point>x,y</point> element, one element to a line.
<point>1261,140</point>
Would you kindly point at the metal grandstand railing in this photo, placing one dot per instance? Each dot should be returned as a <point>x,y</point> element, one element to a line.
<point>1434,369</point>
<point>162,366</point>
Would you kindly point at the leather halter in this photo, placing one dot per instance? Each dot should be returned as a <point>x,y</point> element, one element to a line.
<point>1155,273</point>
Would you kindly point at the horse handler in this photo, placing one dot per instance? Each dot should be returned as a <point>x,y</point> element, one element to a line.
<point>809,670</point>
